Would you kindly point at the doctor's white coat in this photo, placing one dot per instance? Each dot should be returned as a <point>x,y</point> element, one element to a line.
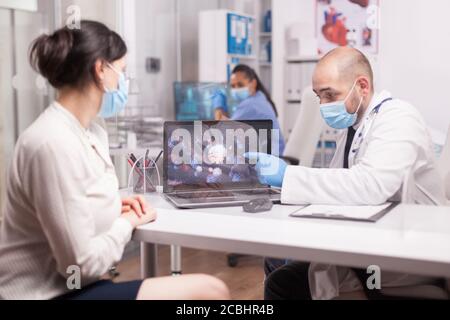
<point>396,161</point>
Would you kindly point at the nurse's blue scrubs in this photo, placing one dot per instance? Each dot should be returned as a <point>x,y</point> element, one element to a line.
<point>257,107</point>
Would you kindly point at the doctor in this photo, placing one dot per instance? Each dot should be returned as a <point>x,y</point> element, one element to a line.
<point>384,153</point>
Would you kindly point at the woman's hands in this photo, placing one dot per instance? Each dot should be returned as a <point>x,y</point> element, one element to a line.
<point>137,211</point>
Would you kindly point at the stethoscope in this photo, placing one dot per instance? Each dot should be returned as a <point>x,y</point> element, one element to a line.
<point>366,128</point>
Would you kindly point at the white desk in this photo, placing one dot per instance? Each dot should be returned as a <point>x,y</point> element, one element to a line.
<point>410,239</point>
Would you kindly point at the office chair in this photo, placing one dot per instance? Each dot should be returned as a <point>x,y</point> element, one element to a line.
<point>302,144</point>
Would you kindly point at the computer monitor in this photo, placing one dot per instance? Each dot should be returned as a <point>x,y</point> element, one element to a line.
<point>194,100</point>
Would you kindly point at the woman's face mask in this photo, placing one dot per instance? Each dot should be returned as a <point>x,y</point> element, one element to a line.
<point>336,115</point>
<point>114,101</point>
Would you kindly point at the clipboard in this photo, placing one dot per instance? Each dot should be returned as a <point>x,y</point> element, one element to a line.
<point>375,217</point>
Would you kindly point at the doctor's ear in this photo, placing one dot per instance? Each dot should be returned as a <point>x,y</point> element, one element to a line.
<point>364,86</point>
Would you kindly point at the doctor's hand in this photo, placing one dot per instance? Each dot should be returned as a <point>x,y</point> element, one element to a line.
<point>137,211</point>
<point>220,101</point>
<point>270,169</point>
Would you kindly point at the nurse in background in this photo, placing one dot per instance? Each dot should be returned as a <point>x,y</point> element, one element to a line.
<point>254,102</point>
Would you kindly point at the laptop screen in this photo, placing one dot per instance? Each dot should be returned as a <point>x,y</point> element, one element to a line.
<point>210,154</point>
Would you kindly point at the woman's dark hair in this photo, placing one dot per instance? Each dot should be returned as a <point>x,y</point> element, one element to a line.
<point>251,75</point>
<point>68,57</point>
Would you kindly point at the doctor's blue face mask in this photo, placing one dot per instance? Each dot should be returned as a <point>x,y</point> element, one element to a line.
<point>336,115</point>
<point>114,101</point>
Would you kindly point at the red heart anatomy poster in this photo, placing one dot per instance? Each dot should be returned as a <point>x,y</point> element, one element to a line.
<point>351,23</point>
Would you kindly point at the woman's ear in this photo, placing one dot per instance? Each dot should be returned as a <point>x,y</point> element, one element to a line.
<point>99,68</point>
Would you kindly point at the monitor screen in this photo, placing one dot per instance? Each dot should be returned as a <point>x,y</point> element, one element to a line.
<point>193,100</point>
<point>210,154</point>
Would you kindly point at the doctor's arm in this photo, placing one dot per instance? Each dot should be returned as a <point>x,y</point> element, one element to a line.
<point>389,157</point>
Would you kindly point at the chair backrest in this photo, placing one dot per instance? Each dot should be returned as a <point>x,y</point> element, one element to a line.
<point>444,165</point>
<point>302,143</point>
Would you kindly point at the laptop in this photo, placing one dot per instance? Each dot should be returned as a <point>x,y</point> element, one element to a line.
<point>204,163</point>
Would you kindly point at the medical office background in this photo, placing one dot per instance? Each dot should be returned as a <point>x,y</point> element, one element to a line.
<point>163,36</point>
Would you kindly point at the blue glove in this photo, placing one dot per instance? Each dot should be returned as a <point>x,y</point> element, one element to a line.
<point>270,169</point>
<point>220,101</point>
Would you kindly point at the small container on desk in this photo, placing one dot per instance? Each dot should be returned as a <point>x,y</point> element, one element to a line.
<point>144,176</point>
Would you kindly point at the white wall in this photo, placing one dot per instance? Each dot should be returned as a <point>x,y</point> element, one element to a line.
<point>413,58</point>
<point>285,13</point>
<point>189,11</point>
<point>6,100</point>
<point>99,10</point>
<point>156,34</point>
<point>30,101</point>
<point>245,6</point>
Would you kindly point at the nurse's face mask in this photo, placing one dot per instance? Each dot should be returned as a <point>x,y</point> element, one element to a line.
<point>240,87</point>
<point>336,115</point>
<point>114,101</point>
<point>240,94</point>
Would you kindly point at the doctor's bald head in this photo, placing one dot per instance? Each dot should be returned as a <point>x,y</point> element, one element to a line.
<point>344,74</point>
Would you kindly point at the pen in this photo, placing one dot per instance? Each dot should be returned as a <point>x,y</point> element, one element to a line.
<point>156,161</point>
<point>133,157</point>
<point>135,161</point>
<point>139,170</point>
<point>135,168</point>
<point>159,156</point>
<point>146,161</point>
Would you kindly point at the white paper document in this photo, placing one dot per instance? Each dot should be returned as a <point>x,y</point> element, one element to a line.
<point>368,213</point>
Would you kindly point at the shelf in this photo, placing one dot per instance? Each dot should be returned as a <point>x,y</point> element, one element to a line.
<point>302,59</point>
<point>265,64</point>
<point>242,57</point>
<point>265,34</point>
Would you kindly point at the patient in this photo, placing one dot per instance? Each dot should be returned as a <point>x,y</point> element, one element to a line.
<point>65,221</point>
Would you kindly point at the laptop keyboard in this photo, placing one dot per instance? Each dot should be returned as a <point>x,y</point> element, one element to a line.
<point>226,194</point>
<point>257,192</point>
<point>206,194</point>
